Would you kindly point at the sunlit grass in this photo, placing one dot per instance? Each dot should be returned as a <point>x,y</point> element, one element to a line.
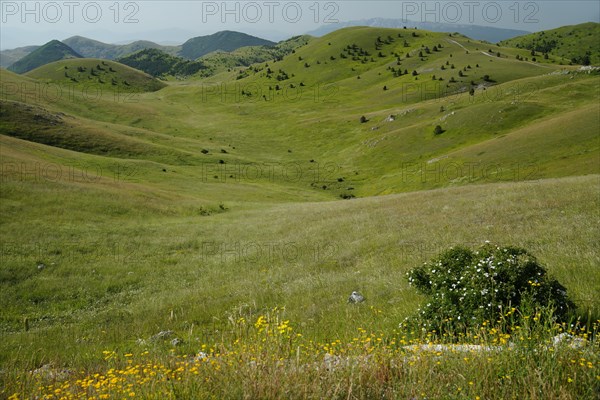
<point>265,356</point>
<point>147,235</point>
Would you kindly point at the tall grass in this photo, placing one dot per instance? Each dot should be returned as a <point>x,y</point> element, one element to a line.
<point>264,355</point>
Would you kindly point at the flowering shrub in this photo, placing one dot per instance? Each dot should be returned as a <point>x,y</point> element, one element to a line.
<point>467,288</point>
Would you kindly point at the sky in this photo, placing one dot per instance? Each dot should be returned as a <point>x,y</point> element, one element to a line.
<point>172,22</point>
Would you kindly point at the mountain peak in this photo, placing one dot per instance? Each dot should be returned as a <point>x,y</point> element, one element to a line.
<point>223,40</point>
<point>54,50</point>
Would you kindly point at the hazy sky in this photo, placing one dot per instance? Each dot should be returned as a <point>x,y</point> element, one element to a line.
<point>36,22</point>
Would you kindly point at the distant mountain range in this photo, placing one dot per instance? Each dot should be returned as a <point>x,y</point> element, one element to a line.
<point>89,48</point>
<point>487,33</point>
<point>158,63</point>
<point>9,57</point>
<point>94,49</point>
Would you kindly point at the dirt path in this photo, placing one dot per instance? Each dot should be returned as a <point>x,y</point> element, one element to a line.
<point>490,55</point>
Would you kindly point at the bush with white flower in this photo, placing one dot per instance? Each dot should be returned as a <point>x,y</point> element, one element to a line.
<point>466,288</point>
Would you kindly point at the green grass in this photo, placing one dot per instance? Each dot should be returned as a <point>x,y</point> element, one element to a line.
<point>261,354</point>
<point>95,75</point>
<point>182,208</point>
<point>366,244</point>
<point>570,43</point>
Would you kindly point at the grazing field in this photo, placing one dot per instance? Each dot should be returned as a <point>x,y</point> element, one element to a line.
<point>201,240</point>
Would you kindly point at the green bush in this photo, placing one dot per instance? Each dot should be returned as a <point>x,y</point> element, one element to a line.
<point>465,288</point>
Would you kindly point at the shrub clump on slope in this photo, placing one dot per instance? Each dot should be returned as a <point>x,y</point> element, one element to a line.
<point>466,288</point>
<point>158,63</point>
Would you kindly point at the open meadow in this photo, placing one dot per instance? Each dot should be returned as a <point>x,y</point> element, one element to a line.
<point>199,238</point>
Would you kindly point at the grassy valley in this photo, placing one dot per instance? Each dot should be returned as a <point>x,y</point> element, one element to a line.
<point>199,237</point>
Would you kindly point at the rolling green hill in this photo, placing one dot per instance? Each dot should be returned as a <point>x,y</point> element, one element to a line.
<point>408,63</point>
<point>326,71</point>
<point>579,44</point>
<point>36,124</point>
<point>483,33</point>
<point>50,52</point>
<point>96,72</point>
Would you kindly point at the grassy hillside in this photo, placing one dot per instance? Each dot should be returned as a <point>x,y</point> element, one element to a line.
<point>578,44</point>
<point>205,264</point>
<point>355,61</point>
<point>236,213</point>
<point>220,61</point>
<point>50,52</point>
<point>36,124</point>
<point>378,156</point>
<point>365,152</point>
<point>98,73</point>
<point>115,279</point>
<point>484,33</point>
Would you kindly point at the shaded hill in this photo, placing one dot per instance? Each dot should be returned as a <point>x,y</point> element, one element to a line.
<point>191,49</point>
<point>50,52</point>
<point>579,44</point>
<point>63,131</point>
<point>94,49</point>
<point>9,57</point>
<point>224,40</point>
<point>160,64</point>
